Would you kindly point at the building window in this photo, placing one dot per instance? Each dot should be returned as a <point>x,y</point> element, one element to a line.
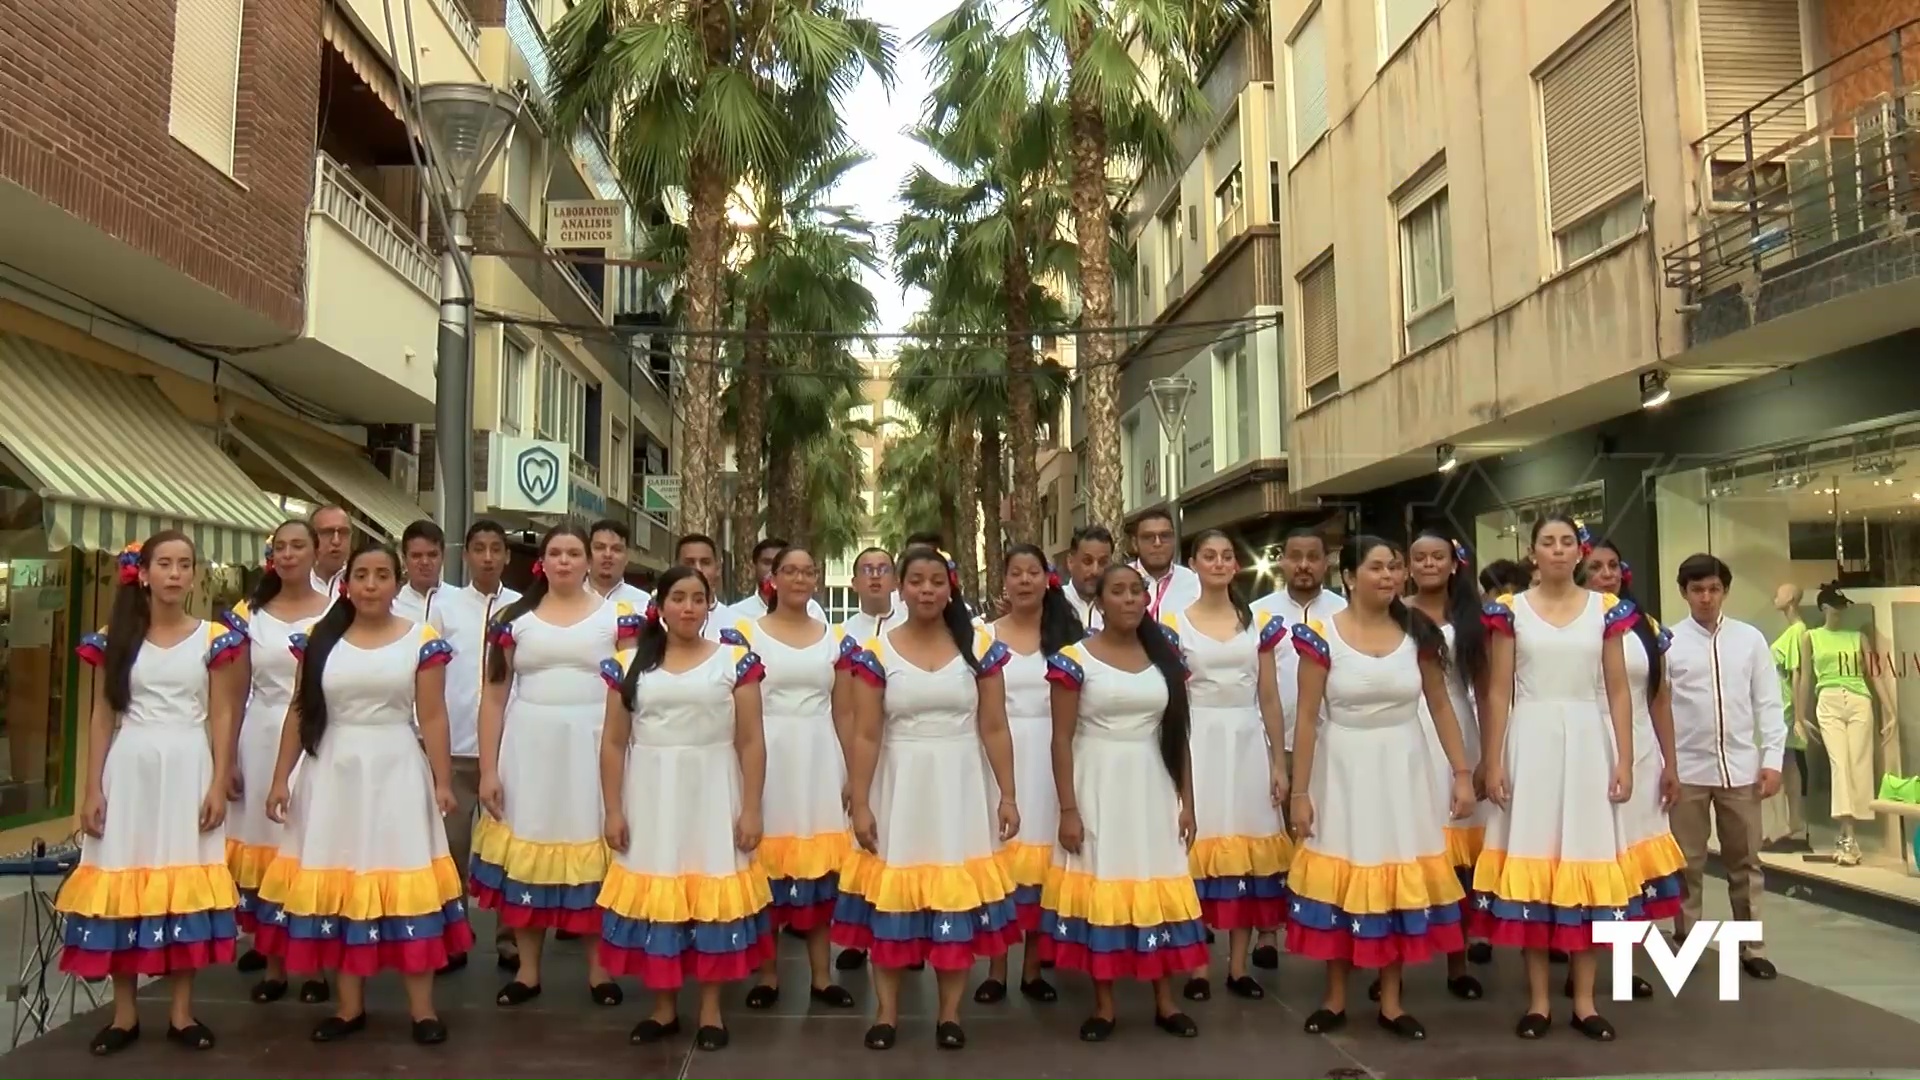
<point>619,464</point>
<point>1319,331</point>
<point>1590,118</point>
<point>206,78</point>
<point>563,406</point>
<point>1426,261</point>
<point>1228,198</point>
<point>1616,221</point>
<point>523,163</point>
<point>1273,190</point>
<point>1307,82</point>
<point>1398,19</point>
<point>1172,245</point>
<point>513,386</point>
<point>1236,403</point>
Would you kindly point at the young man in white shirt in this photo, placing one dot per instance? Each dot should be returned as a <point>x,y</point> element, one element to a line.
<point>608,541</point>
<point>700,552</point>
<point>751,606</point>
<point>465,613</point>
<point>1156,554</point>
<point>423,547</point>
<point>1089,554</point>
<point>333,534</point>
<point>1729,734</point>
<point>873,583</point>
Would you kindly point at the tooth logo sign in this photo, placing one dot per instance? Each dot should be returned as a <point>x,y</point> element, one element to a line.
<point>539,474</point>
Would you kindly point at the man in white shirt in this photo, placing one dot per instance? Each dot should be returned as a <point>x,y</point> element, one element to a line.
<point>333,533</point>
<point>608,541</point>
<point>1088,556</point>
<point>700,552</point>
<point>422,548</point>
<point>751,606</point>
<point>1156,550</point>
<point>873,583</point>
<point>465,614</point>
<point>1729,734</point>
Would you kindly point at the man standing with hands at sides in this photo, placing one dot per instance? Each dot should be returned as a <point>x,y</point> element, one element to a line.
<point>1305,599</point>
<point>607,565</point>
<point>873,583</point>
<point>423,547</point>
<point>1088,556</point>
<point>753,605</point>
<point>465,613</point>
<point>335,532</point>
<point>1729,734</point>
<point>1156,552</point>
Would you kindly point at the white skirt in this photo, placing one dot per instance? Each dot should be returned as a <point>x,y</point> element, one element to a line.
<point>681,804</point>
<point>1232,780</point>
<point>933,802</point>
<point>1033,784</point>
<point>156,776</point>
<point>550,772</point>
<point>806,772</point>
<point>1373,796</point>
<point>365,804</point>
<point>1129,811</point>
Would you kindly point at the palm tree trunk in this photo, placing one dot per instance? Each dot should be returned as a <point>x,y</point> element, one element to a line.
<point>950,500</point>
<point>1022,425</point>
<point>780,481</point>
<point>966,537</point>
<point>992,467</point>
<point>799,510</point>
<point>749,442</point>
<point>699,382</point>
<point>1087,146</point>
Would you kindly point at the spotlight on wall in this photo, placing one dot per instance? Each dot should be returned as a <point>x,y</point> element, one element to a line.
<point>1653,389</point>
<point>1444,456</point>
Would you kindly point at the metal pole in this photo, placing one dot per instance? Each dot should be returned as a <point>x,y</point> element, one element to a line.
<point>453,396</point>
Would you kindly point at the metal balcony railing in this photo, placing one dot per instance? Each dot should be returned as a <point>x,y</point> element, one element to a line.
<point>338,196</point>
<point>462,26</point>
<point>1845,181</point>
<point>1232,225</point>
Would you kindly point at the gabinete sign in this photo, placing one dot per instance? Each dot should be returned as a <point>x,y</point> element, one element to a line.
<point>585,223</point>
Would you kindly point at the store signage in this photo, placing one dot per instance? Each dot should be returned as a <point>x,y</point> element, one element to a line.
<point>586,223</point>
<point>587,500</point>
<point>529,475</point>
<point>1674,969</point>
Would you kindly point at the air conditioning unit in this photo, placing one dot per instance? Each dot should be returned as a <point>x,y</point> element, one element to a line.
<point>400,467</point>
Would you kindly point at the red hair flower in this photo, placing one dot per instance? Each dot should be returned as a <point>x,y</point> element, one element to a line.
<point>1462,554</point>
<point>953,573</point>
<point>343,585</point>
<point>540,569</point>
<point>129,565</point>
<point>1626,575</point>
<point>767,589</point>
<point>1053,578</point>
<point>1585,537</point>
<point>653,613</point>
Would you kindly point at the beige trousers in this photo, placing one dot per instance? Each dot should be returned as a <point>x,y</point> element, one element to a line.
<point>1846,729</point>
<point>1734,813</point>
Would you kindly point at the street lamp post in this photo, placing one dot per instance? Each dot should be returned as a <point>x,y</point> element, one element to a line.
<point>1170,397</point>
<point>463,126</point>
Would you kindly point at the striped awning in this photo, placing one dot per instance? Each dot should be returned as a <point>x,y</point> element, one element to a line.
<point>346,476</point>
<point>116,462</point>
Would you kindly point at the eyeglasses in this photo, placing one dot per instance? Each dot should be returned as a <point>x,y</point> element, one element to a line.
<point>874,571</point>
<point>798,572</point>
<point>1156,538</point>
<point>336,533</point>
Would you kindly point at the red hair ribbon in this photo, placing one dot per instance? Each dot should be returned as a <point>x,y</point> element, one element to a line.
<point>266,557</point>
<point>953,573</point>
<point>1585,537</point>
<point>767,589</point>
<point>653,612</point>
<point>1053,578</point>
<point>540,568</point>
<point>129,563</point>
<point>1462,554</point>
<point>1626,575</point>
<point>343,585</point>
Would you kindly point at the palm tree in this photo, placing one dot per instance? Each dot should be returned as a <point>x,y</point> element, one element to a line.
<point>831,514</point>
<point>704,93</point>
<point>918,488</point>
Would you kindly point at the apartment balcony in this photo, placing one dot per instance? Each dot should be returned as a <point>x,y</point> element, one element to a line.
<point>1814,236</point>
<point>445,43</point>
<point>534,59</point>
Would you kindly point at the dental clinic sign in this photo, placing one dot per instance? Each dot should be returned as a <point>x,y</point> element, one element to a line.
<point>1675,968</point>
<point>528,475</point>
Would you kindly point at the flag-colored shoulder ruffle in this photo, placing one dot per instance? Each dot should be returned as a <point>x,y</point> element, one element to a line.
<point>1497,614</point>
<point>1621,615</point>
<point>865,662</point>
<point>993,653</point>
<point>613,670</point>
<point>1273,629</point>
<point>238,617</point>
<point>434,649</point>
<point>1662,637</point>
<point>297,645</point>
<point>224,644</point>
<point>501,634</point>
<point>626,622</point>
<point>1066,667</point>
<point>1309,640</point>
<point>735,636</point>
<point>747,668</point>
<point>92,649</point>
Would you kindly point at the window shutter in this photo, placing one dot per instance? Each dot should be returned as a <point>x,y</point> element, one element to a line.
<point>1590,112</point>
<point>1224,155</point>
<point>1749,49</point>
<point>1319,325</point>
<point>1307,61</point>
<point>1400,19</point>
<point>206,78</point>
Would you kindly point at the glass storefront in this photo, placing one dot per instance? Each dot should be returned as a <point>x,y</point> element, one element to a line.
<point>40,598</point>
<point>1794,518</point>
<point>1507,533</point>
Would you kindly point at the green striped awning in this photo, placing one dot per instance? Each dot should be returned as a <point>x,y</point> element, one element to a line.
<point>355,482</point>
<point>116,462</point>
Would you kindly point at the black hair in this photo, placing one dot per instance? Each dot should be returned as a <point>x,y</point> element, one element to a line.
<point>1470,655</point>
<point>1642,626</point>
<point>1241,609</point>
<point>536,592</point>
<point>1830,596</point>
<point>1090,534</point>
<point>954,615</point>
<point>927,538</point>
<point>1426,635</point>
<point>688,539</point>
<point>1304,533</point>
<point>779,556</point>
<point>1060,625</point>
<point>1177,721</point>
<point>310,695</point>
<point>1155,513</point>
<point>484,526</point>
<point>609,525</point>
<point>650,648</point>
<point>771,543</point>
<point>1701,567</point>
<point>131,618</point>
<point>1542,522</point>
<point>1505,575</point>
<point>423,530</point>
<point>864,552</point>
<point>269,586</point>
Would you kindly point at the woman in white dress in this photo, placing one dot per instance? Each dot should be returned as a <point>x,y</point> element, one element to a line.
<point>1371,883</point>
<point>1039,622</point>
<point>363,881</point>
<point>925,884</point>
<point>1120,901</point>
<point>1653,859</point>
<point>152,894</point>
<point>682,767</point>
<point>1240,848</point>
<point>806,717</point>
<point>1556,769</point>
<point>285,603</point>
<point>539,855</point>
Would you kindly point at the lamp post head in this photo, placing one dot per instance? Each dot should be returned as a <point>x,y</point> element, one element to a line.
<point>1170,396</point>
<point>464,126</point>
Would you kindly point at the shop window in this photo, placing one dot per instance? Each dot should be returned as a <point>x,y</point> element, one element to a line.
<point>1236,401</point>
<point>1426,260</point>
<point>1507,533</point>
<point>41,616</point>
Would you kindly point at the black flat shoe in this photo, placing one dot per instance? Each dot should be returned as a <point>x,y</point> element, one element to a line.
<point>606,994</point>
<point>710,1038</point>
<point>333,1029</point>
<point>1039,990</point>
<point>1594,1027</point>
<point>831,995</point>
<point>1532,1026</point>
<point>112,1040</point>
<point>1096,1029</point>
<point>651,1031</point>
<point>1266,957</point>
<point>1373,990</point>
<point>1197,990</point>
<point>763,996</point>
<point>1466,988</point>
<point>195,1036</point>
<point>453,964</point>
<point>1179,1025</point>
<point>1759,967</point>
<point>1325,1022</point>
<point>429,1032</point>
<point>268,991</point>
<point>251,961</point>
<point>880,1036</point>
<point>850,960</point>
<point>1479,952</point>
<point>1404,1026</point>
<point>315,991</point>
<point>1642,988</point>
<point>515,993</point>
<point>950,1036</point>
<point>1246,987</point>
<point>991,992</point>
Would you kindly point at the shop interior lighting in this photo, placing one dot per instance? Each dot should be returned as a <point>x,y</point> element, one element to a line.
<point>1445,458</point>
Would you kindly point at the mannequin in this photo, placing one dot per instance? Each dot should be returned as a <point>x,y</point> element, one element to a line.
<point>1837,686</point>
<point>1784,817</point>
